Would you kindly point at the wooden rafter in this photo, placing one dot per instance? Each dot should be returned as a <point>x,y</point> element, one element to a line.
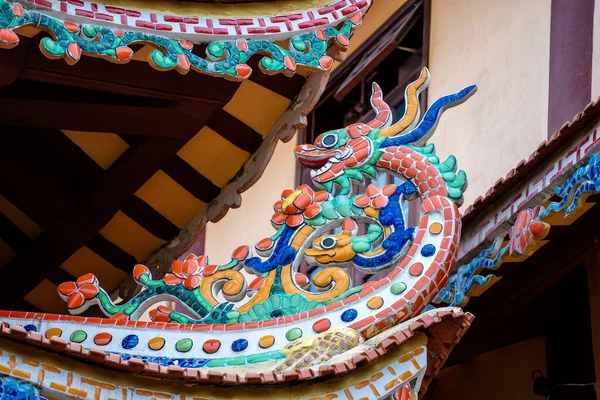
<point>153,221</point>
<point>82,116</point>
<point>13,236</point>
<point>190,179</point>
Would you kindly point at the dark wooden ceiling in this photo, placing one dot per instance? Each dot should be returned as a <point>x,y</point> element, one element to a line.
<point>50,179</point>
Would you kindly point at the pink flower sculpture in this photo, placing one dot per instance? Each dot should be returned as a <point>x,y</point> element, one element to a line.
<point>526,226</point>
<point>78,292</point>
<point>375,197</point>
<point>297,205</point>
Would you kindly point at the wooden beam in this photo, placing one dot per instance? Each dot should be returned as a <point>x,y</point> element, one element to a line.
<point>112,253</point>
<point>185,175</point>
<point>80,115</point>
<point>190,179</point>
<point>59,275</point>
<point>134,79</point>
<point>24,305</point>
<point>387,43</point>
<point>138,78</point>
<point>10,66</point>
<point>13,236</point>
<point>344,69</point>
<point>235,131</point>
<point>52,155</point>
<point>39,198</point>
<point>150,219</point>
<point>285,86</point>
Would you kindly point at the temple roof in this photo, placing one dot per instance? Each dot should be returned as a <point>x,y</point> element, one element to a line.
<point>443,327</point>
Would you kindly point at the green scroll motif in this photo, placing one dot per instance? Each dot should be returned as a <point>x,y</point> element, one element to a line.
<point>224,58</point>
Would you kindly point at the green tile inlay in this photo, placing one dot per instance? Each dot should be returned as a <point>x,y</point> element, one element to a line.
<point>398,288</point>
<point>78,336</point>
<point>293,334</point>
<point>184,345</point>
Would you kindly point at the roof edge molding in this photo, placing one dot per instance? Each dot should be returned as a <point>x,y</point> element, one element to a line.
<point>86,28</point>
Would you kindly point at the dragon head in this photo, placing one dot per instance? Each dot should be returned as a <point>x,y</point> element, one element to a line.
<point>336,152</point>
<point>339,155</point>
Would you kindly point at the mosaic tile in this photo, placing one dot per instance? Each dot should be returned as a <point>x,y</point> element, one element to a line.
<point>239,345</point>
<point>130,341</point>
<point>211,346</point>
<point>184,345</point>
<point>78,336</point>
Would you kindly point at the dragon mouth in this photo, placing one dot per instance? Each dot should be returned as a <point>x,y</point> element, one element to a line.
<point>313,162</point>
<point>320,161</point>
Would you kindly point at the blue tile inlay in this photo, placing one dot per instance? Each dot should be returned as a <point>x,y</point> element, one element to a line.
<point>349,315</point>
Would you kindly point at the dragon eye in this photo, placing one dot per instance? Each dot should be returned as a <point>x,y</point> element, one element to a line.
<point>328,242</point>
<point>329,140</point>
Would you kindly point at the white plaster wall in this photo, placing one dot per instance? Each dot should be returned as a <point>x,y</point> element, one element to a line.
<point>504,48</point>
<point>251,222</point>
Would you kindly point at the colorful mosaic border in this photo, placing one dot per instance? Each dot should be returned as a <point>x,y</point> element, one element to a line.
<point>404,369</point>
<point>229,58</point>
<point>272,28</point>
<point>260,375</point>
<point>534,192</point>
<point>529,227</point>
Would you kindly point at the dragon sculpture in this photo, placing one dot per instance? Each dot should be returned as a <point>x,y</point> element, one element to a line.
<point>261,303</point>
<point>303,218</point>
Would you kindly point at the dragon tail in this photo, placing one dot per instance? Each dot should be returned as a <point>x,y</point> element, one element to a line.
<point>426,127</point>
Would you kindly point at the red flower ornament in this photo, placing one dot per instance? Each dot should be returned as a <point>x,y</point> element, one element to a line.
<point>296,206</point>
<point>189,272</point>
<point>77,293</point>
<point>526,226</point>
<point>375,197</point>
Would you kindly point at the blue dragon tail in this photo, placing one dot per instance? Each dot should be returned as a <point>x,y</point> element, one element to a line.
<point>426,127</point>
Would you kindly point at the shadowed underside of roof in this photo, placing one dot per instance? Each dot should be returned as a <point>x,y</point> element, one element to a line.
<point>101,164</point>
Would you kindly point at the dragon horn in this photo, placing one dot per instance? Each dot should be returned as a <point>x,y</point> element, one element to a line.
<point>383,113</point>
<point>412,111</point>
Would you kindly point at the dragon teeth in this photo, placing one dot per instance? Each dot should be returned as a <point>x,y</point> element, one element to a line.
<point>322,169</point>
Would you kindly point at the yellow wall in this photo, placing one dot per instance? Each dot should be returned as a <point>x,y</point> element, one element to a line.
<point>251,222</point>
<point>504,48</point>
<point>498,375</point>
